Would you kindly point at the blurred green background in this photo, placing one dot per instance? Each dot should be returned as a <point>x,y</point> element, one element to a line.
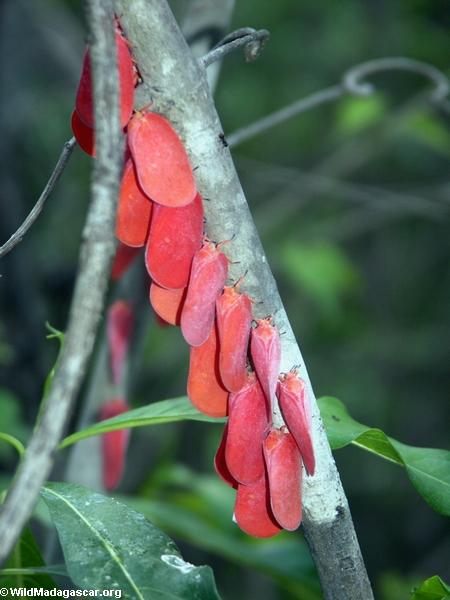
<point>352,201</point>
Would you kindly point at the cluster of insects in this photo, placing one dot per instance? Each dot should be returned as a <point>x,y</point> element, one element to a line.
<point>234,366</point>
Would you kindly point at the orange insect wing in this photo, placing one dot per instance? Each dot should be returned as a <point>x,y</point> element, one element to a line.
<point>167,304</point>
<point>84,96</point>
<point>234,320</point>
<point>204,387</point>
<point>208,275</point>
<point>83,134</point>
<point>220,464</point>
<point>162,164</point>
<point>265,350</point>
<point>248,423</point>
<point>284,472</point>
<point>175,236</point>
<point>133,211</point>
<point>114,445</point>
<point>294,405</point>
<point>252,510</point>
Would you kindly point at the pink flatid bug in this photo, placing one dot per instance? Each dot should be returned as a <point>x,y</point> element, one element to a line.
<point>294,405</point>
<point>167,304</point>
<point>114,445</point>
<point>248,424</point>
<point>119,327</point>
<point>220,463</point>
<point>234,320</point>
<point>84,97</point>
<point>175,236</point>
<point>252,510</point>
<point>133,210</point>
<point>83,134</point>
<point>208,275</point>
<point>284,473</point>
<point>204,386</point>
<point>265,350</point>
<point>162,165</point>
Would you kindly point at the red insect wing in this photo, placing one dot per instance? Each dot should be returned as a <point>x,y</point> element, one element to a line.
<point>252,510</point>
<point>84,97</point>
<point>294,405</point>
<point>133,211</point>
<point>167,304</point>
<point>175,236</point>
<point>247,427</point>
<point>83,134</point>
<point>266,355</point>
<point>122,260</point>
<point>162,164</point>
<point>83,100</point>
<point>119,327</point>
<point>234,320</point>
<point>114,445</point>
<point>284,472</point>
<point>220,463</point>
<point>204,387</point>
<point>208,275</point>
<point>126,78</point>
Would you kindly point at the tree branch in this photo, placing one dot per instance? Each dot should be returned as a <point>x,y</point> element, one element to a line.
<point>251,40</point>
<point>176,86</point>
<point>353,84</point>
<point>37,209</point>
<point>90,287</point>
<point>352,80</point>
<point>247,132</point>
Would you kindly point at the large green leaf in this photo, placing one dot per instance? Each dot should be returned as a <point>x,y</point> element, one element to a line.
<point>107,545</point>
<point>25,567</point>
<point>427,468</point>
<point>198,508</point>
<point>166,411</point>
<point>432,589</point>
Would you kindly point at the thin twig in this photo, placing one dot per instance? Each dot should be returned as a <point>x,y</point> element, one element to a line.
<point>252,40</point>
<point>352,83</point>
<point>88,299</point>
<point>204,23</point>
<point>279,116</point>
<point>37,208</point>
<point>353,80</point>
<point>184,98</point>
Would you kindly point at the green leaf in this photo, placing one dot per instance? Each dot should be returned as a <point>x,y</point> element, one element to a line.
<point>357,114</point>
<point>285,558</point>
<point>54,334</point>
<point>321,270</point>
<point>59,570</point>
<point>432,589</point>
<point>25,567</point>
<point>197,508</point>
<point>107,545</point>
<point>429,130</point>
<point>166,411</point>
<point>427,468</point>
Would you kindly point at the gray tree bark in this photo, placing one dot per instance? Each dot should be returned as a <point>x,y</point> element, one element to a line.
<point>95,259</point>
<point>176,86</point>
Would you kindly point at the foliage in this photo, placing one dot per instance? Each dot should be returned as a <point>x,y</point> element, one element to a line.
<point>109,546</point>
